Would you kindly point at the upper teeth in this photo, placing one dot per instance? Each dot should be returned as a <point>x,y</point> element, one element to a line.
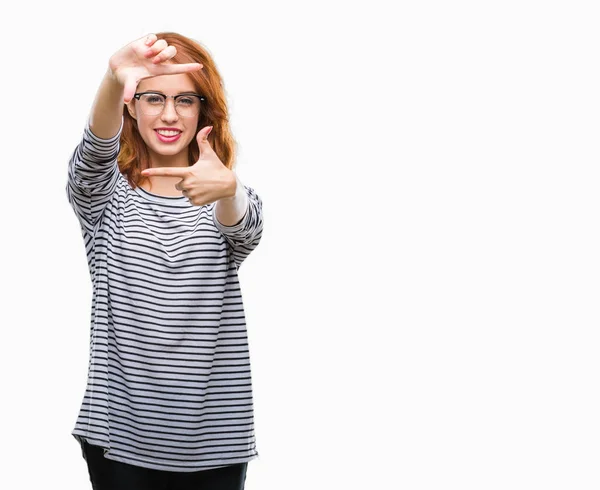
<point>169,132</point>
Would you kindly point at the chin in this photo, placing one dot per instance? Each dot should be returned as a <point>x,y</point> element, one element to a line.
<point>167,149</point>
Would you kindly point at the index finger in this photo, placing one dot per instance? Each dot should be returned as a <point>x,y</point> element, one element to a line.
<point>176,68</point>
<point>166,172</point>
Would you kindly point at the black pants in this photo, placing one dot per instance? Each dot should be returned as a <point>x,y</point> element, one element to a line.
<point>106,474</point>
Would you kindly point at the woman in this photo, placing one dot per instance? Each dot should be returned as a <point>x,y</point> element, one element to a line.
<point>166,225</point>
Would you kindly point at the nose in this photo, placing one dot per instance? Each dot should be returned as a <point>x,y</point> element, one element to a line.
<point>169,114</point>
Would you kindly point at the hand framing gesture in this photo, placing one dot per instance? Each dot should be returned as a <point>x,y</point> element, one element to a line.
<point>144,58</point>
<point>208,180</point>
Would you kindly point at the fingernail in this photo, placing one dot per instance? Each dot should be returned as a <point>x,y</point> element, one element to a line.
<point>209,131</point>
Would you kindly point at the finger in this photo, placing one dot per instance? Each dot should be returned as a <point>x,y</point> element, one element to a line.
<point>166,172</point>
<point>165,54</point>
<point>180,186</point>
<point>195,201</point>
<point>150,39</point>
<point>176,68</point>
<point>202,139</point>
<point>129,90</point>
<point>156,48</point>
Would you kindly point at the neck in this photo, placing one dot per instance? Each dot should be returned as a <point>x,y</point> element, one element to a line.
<point>179,160</point>
<point>162,185</point>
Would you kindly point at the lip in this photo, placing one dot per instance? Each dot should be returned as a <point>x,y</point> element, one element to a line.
<point>167,139</point>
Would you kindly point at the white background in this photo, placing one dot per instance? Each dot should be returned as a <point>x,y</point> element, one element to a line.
<point>423,306</point>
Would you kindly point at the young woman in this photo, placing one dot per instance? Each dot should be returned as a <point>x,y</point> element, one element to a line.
<point>166,225</point>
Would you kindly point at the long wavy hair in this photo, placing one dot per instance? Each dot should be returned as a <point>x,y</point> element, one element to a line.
<point>133,155</point>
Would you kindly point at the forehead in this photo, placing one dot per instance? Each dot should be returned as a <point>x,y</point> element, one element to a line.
<point>168,84</point>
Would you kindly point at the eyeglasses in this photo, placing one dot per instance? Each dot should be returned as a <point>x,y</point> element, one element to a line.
<point>153,103</point>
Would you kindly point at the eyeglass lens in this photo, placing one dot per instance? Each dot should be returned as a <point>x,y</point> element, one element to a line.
<point>186,106</point>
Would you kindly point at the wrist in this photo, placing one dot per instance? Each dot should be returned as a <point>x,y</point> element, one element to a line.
<point>230,211</point>
<point>112,77</point>
<point>235,187</point>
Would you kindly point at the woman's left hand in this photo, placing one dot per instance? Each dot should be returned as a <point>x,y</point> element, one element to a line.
<point>207,181</point>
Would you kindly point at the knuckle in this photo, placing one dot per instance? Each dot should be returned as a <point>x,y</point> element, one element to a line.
<point>160,44</point>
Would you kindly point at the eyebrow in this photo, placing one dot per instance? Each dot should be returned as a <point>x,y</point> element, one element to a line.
<point>190,92</point>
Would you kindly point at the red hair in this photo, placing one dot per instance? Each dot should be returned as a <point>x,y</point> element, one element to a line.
<point>133,156</point>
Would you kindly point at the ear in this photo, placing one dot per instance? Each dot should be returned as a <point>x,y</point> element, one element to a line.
<point>131,109</point>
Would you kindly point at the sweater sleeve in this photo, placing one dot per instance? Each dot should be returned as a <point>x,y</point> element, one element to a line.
<point>92,176</point>
<point>244,236</point>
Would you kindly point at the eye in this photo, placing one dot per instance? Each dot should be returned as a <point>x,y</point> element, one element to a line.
<point>154,99</point>
<point>186,101</point>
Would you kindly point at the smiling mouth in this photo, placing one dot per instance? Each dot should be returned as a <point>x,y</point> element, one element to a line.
<point>168,132</point>
<point>167,136</point>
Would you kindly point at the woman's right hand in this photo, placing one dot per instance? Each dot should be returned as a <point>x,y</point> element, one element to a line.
<point>144,58</point>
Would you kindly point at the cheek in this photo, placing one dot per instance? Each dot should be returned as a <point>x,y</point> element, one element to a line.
<point>193,131</point>
<point>145,129</point>
<point>143,123</point>
<point>192,135</point>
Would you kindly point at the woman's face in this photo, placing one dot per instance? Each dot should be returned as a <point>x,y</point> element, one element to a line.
<point>149,126</point>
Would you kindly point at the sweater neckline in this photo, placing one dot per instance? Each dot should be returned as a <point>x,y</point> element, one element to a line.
<point>180,201</point>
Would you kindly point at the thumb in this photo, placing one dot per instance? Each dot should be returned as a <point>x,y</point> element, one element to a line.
<point>202,138</point>
<point>129,90</point>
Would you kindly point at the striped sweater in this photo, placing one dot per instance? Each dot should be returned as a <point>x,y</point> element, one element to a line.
<point>169,381</point>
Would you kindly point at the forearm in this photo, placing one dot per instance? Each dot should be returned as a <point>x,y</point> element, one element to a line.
<point>230,210</point>
<point>107,109</point>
